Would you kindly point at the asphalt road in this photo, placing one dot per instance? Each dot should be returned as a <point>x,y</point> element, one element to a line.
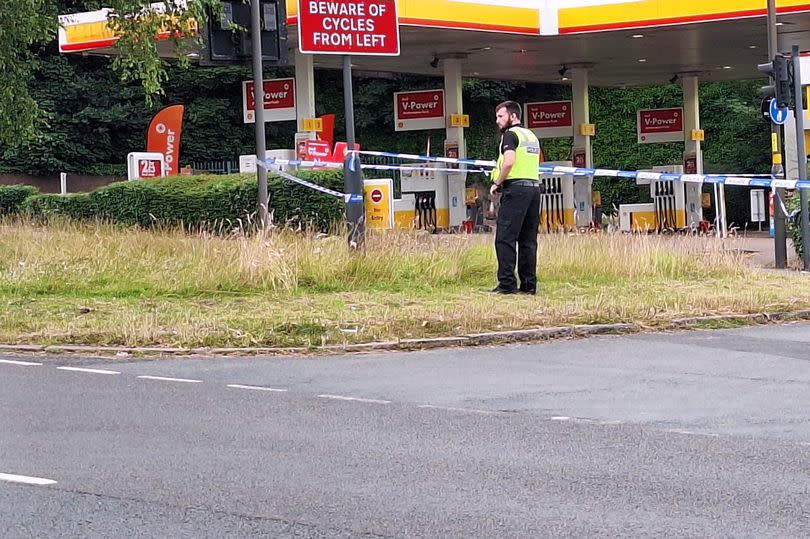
<point>666,435</point>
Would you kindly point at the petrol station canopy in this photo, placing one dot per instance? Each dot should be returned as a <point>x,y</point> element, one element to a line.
<point>624,42</point>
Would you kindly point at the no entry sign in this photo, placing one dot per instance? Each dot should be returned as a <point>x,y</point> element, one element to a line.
<point>550,119</point>
<point>355,27</point>
<point>660,125</point>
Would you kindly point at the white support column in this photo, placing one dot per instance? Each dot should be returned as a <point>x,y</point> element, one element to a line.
<point>691,120</point>
<point>453,101</point>
<point>304,89</point>
<point>453,105</point>
<point>583,185</point>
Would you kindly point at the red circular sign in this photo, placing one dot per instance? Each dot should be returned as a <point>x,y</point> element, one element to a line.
<point>376,195</point>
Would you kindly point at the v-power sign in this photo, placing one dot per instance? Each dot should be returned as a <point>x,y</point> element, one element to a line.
<point>356,27</point>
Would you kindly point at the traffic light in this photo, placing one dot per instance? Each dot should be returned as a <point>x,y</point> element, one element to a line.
<point>226,37</point>
<point>780,75</point>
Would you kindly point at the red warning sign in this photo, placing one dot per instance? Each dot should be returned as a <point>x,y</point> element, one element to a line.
<point>357,27</point>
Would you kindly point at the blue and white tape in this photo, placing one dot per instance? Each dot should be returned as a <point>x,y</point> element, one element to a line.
<point>547,169</point>
<point>415,157</point>
<point>727,179</point>
<point>296,163</point>
<point>311,185</point>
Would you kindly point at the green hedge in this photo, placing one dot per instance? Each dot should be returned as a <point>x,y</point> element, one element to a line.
<point>12,197</point>
<point>208,201</point>
<point>794,224</point>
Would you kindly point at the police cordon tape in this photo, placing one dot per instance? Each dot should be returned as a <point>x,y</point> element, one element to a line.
<point>305,183</point>
<point>548,169</point>
<point>347,197</point>
<point>727,179</point>
<point>366,166</point>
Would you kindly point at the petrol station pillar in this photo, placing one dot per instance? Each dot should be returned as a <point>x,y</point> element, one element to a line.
<point>456,181</point>
<point>304,90</point>
<point>693,156</point>
<point>582,154</point>
<point>453,100</point>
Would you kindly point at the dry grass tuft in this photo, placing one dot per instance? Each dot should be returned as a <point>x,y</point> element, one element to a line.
<point>102,284</point>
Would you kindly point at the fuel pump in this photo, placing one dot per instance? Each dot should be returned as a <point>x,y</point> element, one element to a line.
<point>557,201</point>
<point>665,203</point>
<point>675,204</point>
<point>438,196</point>
<point>426,210</point>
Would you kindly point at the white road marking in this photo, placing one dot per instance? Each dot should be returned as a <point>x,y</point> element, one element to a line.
<point>24,363</point>
<point>92,371</point>
<point>26,479</point>
<point>452,409</point>
<point>692,433</point>
<point>257,388</point>
<point>355,399</point>
<point>585,420</point>
<point>165,379</point>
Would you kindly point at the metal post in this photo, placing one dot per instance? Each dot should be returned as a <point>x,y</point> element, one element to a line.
<point>802,151</point>
<point>777,170</point>
<point>353,180</point>
<point>258,95</point>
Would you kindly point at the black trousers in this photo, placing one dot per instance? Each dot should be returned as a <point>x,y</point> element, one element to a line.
<point>516,236</point>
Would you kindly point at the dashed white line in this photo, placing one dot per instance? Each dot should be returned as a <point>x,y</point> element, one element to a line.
<point>23,363</point>
<point>585,420</point>
<point>451,409</point>
<point>692,433</point>
<point>165,379</point>
<point>92,371</point>
<point>11,478</point>
<point>257,388</point>
<point>355,399</point>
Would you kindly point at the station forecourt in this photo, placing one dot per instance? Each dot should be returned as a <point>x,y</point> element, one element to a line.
<point>581,43</point>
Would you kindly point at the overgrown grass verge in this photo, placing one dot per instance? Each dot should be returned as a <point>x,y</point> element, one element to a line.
<point>68,283</point>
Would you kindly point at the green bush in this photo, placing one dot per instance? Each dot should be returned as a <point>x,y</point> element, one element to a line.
<point>794,223</point>
<point>74,206</point>
<point>208,201</point>
<point>12,197</point>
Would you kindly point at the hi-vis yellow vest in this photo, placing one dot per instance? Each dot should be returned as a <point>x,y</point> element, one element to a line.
<point>527,157</point>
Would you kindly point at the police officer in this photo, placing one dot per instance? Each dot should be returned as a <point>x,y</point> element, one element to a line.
<point>516,179</point>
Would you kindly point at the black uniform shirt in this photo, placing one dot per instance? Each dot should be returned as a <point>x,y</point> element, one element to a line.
<point>509,141</point>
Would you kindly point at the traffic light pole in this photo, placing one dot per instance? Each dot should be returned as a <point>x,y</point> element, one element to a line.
<point>353,180</point>
<point>802,151</point>
<point>777,170</point>
<point>258,100</point>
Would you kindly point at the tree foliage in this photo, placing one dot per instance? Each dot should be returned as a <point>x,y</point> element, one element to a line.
<point>23,24</point>
<point>138,58</point>
<point>27,27</point>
